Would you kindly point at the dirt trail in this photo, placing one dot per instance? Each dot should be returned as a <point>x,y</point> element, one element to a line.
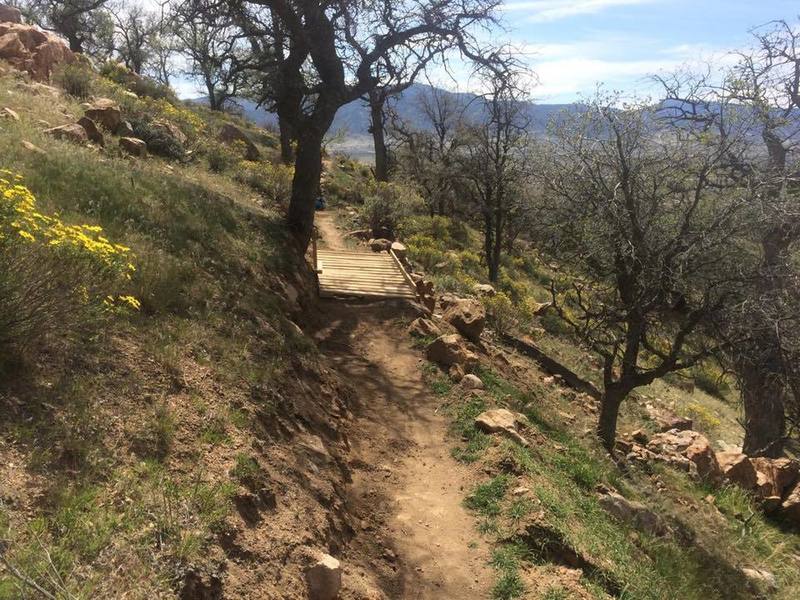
<point>416,541</point>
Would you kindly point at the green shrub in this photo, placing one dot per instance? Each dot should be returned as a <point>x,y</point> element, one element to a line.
<point>158,140</point>
<point>272,181</point>
<point>387,206</point>
<point>76,79</point>
<point>220,158</point>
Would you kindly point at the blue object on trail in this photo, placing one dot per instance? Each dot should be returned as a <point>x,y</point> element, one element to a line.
<point>320,204</point>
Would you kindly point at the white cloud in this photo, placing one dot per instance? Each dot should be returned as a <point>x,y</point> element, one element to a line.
<point>541,11</point>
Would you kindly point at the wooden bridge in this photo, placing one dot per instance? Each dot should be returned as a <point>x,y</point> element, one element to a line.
<point>362,274</point>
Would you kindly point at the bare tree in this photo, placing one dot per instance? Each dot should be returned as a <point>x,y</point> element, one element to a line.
<point>214,46</point>
<point>427,153</point>
<point>645,222</point>
<point>329,57</point>
<point>135,28</point>
<point>759,99</point>
<point>494,162</point>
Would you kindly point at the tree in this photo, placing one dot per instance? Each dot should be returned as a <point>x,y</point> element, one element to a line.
<point>759,98</point>
<point>75,20</point>
<point>215,48</point>
<point>329,57</point>
<point>494,165</point>
<point>634,214</point>
<point>427,153</point>
<point>135,30</point>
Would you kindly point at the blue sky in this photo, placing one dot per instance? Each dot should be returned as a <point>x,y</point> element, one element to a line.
<point>574,44</point>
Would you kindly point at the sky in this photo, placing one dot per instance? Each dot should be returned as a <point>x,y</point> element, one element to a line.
<point>573,45</point>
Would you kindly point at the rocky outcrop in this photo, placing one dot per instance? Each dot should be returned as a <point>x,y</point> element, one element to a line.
<point>635,514</point>
<point>774,476</point>
<point>133,146</point>
<point>738,469</point>
<point>468,316</point>
<point>449,350</point>
<point>422,327</point>
<point>503,421</point>
<point>72,133</point>
<point>324,578</point>
<point>484,289</point>
<point>230,134</point>
<point>93,133</point>
<point>105,112</point>
<point>28,49</point>
<point>10,14</point>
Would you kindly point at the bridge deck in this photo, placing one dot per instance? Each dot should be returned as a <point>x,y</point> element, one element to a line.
<point>377,275</point>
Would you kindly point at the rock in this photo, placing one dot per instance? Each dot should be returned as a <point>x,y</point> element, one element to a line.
<point>7,113</point>
<point>666,421</point>
<point>738,469</point>
<point>360,234</point>
<point>133,146</point>
<point>32,148</point>
<point>125,129</point>
<point>635,514</point>
<point>324,578</point>
<point>761,578</point>
<point>790,508</point>
<point>92,131</point>
<point>484,289</point>
<point>399,250</point>
<point>472,382</point>
<point>72,133</point>
<point>774,475</point>
<point>447,300</point>
<point>168,129</point>
<point>380,245</point>
<point>456,373</point>
<point>520,491</point>
<point>468,316</point>
<point>540,308</point>
<point>31,50</point>
<point>105,112</point>
<point>703,456</point>
<point>501,420</point>
<point>230,134</point>
<point>423,327</point>
<point>771,504</point>
<point>448,350</point>
<point>640,437</point>
<point>9,14</point>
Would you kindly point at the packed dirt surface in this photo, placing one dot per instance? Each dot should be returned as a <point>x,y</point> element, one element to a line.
<point>415,540</point>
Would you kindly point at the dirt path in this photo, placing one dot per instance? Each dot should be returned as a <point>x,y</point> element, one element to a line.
<point>416,541</point>
<point>331,236</point>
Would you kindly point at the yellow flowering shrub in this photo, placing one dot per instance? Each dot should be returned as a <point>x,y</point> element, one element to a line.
<point>56,278</point>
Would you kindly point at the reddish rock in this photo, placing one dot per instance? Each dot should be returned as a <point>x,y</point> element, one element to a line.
<point>468,316</point>
<point>29,49</point>
<point>105,112</point>
<point>704,458</point>
<point>133,146</point>
<point>9,14</point>
<point>774,475</point>
<point>92,131</point>
<point>73,133</point>
<point>448,350</point>
<point>230,134</point>
<point>737,468</point>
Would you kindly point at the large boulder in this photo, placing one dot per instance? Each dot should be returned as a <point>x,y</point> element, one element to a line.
<point>167,129</point>
<point>105,112</point>
<point>72,133</point>
<point>472,382</point>
<point>9,14</point>
<point>133,146</point>
<point>230,134</point>
<point>705,459</point>
<point>634,514</point>
<point>94,134</point>
<point>484,289</point>
<point>774,475</point>
<point>380,245</point>
<point>790,507</point>
<point>468,316</point>
<point>324,578</point>
<point>738,469</point>
<point>31,50</point>
<point>449,350</point>
<point>422,327</point>
<point>503,421</point>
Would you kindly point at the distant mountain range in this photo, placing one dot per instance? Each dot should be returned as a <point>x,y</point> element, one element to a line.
<point>352,120</point>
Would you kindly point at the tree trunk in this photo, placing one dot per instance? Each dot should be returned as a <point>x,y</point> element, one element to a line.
<point>763,398</point>
<point>287,141</point>
<point>305,185</point>
<point>610,402</point>
<point>378,131</point>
